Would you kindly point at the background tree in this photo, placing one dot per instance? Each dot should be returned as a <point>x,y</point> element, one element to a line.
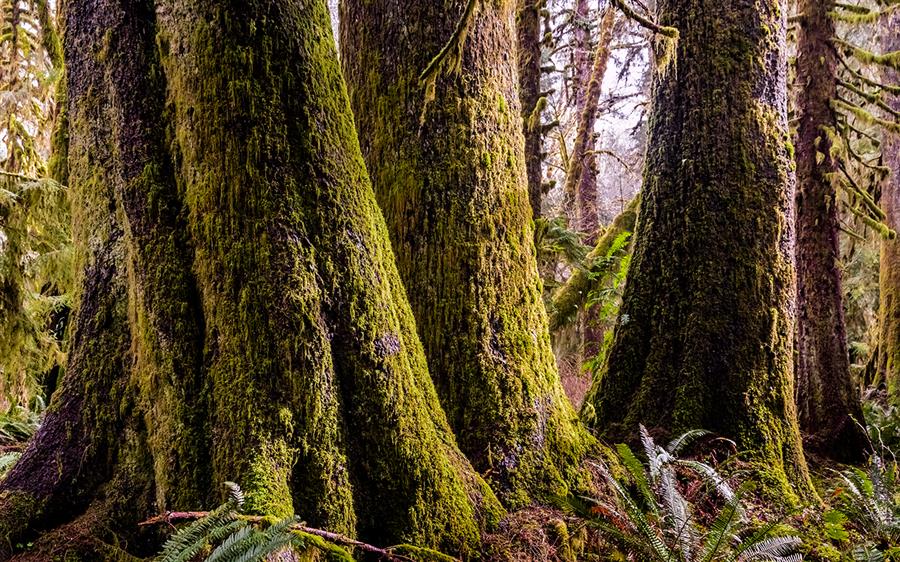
<point>704,337</point>
<point>528,44</point>
<point>828,401</point>
<point>889,345</point>
<point>35,252</point>
<point>441,132</point>
<point>239,314</point>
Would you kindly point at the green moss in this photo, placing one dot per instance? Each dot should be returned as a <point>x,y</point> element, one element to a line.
<point>462,232</point>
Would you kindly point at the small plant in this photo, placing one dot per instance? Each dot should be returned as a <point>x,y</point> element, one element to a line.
<point>7,460</point>
<point>224,535</point>
<point>227,535</point>
<point>870,501</point>
<point>659,524</point>
<point>18,425</point>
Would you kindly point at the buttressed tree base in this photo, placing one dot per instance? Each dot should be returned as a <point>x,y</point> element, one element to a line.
<point>705,332</point>
<point>240,316</point>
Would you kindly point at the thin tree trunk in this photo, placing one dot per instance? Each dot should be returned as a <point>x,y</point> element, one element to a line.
<point>528,31</point>
<point>889,344</point>
<point>450,178</point>
<point>704,337</point>
<point>581,177</point>
<point>828,402</point>
<point>240,313</point>
<point>570,298</point>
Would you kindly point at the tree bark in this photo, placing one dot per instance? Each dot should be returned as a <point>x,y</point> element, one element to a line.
<point>449,173</point>
<point>889,282</point>
<point>705,332</point>
<point>581,177</point>
<point>240,314</point>
<point>828,402</point>
<point>528,31</point>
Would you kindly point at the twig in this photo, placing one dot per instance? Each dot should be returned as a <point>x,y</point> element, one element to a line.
<point>385,553</point>
<point>669,32</point>
<point>454,42</point>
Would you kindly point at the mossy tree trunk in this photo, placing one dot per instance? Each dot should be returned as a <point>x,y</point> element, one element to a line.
<point>571,297</point>
<point>449,173</point>
<point>528,35</point>
<point>889,316</point>
<point>704,337</point>
<point>240,314</point>
<point>828,403</point>
<point>581,177</point>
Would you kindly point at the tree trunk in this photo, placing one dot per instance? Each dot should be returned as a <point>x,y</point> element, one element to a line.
<point>828,402</point>
<point>570,298</point>
<point>240,314</point>
<point>528,31</point>
<point>581,177</point>
<point>449,172</point>
<point>889,282</point>
<point>705,332</point>
<point>581,77</point>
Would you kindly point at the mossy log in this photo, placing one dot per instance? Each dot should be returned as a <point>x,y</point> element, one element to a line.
<point>572,296</point>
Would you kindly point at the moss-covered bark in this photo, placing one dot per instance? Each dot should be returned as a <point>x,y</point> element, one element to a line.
<point>449,172</point>
<point>528,41</point>
<point>889,282</point>
<point>581,177</point>
<point>240,314</point>
<point>572,296</point>
<point>828,402</point>
<point>705,332</point>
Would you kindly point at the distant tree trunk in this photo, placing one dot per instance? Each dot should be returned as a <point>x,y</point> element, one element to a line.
<point>581,77</point>
<point>581,177</point>
<point>889,344</point>
<point>528,31</point>
<point>581,52</point>
<point>705,331</point>
<point>828,402</point>
<point>240,314</point>
<point>449,173</point>
<point>571,297</point>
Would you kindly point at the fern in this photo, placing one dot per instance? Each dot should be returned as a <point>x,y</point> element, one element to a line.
<point>870,501</point>
<point>225,535</point>
<point>665,529</point>
<point>7,460</point>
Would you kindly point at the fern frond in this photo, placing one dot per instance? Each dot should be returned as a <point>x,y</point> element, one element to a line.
<point>679,443</point>
<point>775,549</point>
<point>636,470</point>
<point>188,542</point>
<point>7,460</point>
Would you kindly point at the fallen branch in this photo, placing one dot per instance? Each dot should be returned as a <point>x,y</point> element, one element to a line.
<point>337,538</point>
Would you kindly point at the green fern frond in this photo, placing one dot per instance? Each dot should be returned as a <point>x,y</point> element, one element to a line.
<point>190,541</point>
<point>7,460</point>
